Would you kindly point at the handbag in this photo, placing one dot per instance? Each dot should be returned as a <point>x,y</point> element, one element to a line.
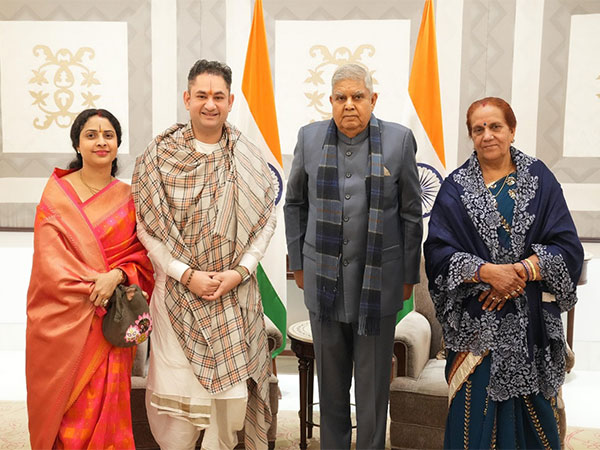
<point>127,321</point>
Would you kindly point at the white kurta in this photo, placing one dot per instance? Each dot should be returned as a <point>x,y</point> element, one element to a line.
<point>170,375</point>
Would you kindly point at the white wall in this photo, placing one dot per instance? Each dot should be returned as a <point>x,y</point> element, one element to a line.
<point>16,250</point>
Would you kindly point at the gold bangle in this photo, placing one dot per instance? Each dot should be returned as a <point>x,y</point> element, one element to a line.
<point>535,271</point>
<point>532,267</point>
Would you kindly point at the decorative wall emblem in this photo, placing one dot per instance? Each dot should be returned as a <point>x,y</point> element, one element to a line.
<point>56,85</point>
<point>53,70</point>
<point>304,67</point>
<point>329,61</point>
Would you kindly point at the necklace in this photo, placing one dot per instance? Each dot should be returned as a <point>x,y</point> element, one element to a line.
<point>508,179</point>
<point>93,190</point>
<point>505,224</point>
<point>501,187</point>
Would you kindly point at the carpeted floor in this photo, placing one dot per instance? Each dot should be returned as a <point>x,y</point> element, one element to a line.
<point>13,426</point>
<point>14,435</point>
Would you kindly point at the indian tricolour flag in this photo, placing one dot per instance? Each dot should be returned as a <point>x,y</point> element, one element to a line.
<point>423,115</point>
<point>257,120</point>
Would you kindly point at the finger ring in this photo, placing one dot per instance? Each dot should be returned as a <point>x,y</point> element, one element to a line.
<point>494,299</point>
<point>104,303</point>
<point>514,293</point>
<point>506,297</point>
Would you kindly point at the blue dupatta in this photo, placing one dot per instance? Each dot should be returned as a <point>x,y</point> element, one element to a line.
<point>526,337</point>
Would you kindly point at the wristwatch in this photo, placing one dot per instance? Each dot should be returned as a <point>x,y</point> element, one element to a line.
<point>245,273</point>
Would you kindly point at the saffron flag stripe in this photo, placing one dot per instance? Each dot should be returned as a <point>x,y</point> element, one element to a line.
<point>423,115</point>
<point>258,120</point>
<point>424,82</point>
<point>257,84</point>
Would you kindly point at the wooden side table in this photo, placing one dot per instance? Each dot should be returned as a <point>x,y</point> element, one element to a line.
<point>302,345</point>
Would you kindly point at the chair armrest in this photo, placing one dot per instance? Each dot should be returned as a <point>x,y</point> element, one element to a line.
<point>412,340</point>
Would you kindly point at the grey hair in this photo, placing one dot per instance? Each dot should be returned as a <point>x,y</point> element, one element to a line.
<point>352,72</point>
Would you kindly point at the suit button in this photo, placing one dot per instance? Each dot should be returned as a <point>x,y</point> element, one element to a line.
<point>348,174</point>
<point>346,218</point>
<point>347,196</point>
<point>346,241</point>
<point>348,153</point>
<point>345,262</point>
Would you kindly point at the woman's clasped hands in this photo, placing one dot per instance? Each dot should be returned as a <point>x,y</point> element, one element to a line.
<point>506,281</point>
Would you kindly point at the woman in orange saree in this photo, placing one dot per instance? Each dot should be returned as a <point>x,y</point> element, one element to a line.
<point>85,244</point>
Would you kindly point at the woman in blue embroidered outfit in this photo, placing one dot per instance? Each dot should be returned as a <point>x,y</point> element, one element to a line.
<point>503,259</point>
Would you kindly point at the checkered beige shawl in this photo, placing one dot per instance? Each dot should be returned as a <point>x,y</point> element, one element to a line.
<point>207,209</point>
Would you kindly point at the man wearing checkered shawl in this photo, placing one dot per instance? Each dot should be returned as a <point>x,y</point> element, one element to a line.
<point>204,200</point>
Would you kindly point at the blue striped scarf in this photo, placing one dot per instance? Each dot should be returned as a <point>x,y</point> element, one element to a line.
<point>329,232</point>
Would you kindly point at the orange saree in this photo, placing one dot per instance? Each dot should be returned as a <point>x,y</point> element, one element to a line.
<point>77,383</point>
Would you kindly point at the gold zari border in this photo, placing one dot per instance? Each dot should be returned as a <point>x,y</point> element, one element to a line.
<point>462,372</point>
<point>196,414</point>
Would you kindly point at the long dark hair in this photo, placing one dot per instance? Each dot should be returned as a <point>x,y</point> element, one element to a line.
<point>77,126</point>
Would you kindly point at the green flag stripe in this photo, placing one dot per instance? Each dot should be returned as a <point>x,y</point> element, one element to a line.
<point>406,308</point>
<point>272,305</point>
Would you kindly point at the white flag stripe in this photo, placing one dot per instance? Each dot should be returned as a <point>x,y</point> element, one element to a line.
<point>273,261</point>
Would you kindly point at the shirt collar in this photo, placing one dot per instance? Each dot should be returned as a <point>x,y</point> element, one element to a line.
<point>360,137</point>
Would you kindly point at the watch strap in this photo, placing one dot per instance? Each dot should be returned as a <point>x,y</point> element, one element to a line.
<point>245,274</point>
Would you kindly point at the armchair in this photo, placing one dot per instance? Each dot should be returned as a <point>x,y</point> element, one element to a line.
<point>419,392</point>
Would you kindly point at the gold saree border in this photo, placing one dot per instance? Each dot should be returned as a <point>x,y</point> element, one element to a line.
<point>461,372</point>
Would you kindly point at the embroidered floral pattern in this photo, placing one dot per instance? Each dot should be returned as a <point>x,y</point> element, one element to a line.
<point>139,331</point>
<point>518,367</point>
<point>144,323</point>
<point>481,207</point>
<point>462,267</point>
<point>554,272</point>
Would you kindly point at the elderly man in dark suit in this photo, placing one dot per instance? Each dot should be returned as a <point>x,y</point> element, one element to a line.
<point>354,229</point>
